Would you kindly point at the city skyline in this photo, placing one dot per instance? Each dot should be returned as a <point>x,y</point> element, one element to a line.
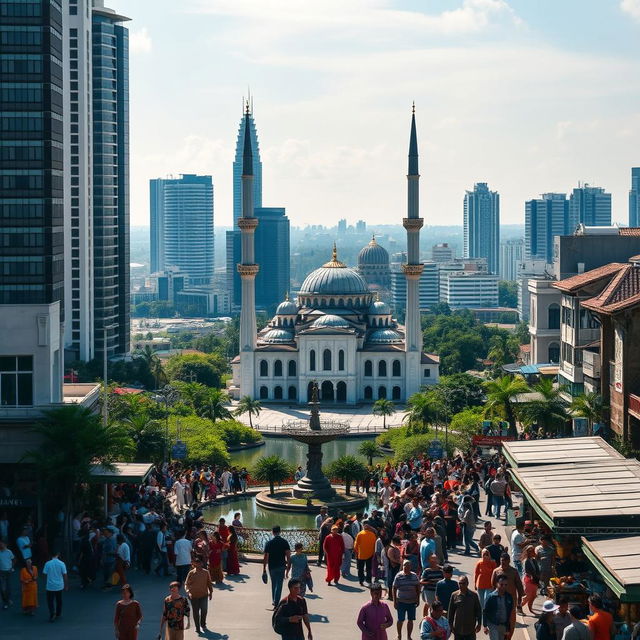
<point>325,115</point>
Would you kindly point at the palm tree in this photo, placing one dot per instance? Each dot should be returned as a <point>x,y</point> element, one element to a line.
<point>370,450</point>
<point>73,439</point>
<point>502,350</point>
<point>213,406</point>
<point>347,468</point>
<point>272,469</point>
<point>423,409</point>
<point>589,406</point>
<point>247,404</point>
<point>550,411</point>
<point>192,393</point>
<point>153,363</point>
<point>383,407</point>
<point>148,436</point>
<point>500,394</point>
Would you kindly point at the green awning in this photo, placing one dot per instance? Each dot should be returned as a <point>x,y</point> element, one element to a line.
<point>132,472</point>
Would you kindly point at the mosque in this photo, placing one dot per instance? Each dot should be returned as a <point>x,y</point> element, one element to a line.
<point>337,332</point>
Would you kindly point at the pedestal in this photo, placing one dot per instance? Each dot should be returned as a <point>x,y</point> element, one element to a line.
<point>314,480</point>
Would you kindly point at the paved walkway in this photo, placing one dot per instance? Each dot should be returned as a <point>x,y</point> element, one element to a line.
<point>240,611</point>
<point>360,419</point>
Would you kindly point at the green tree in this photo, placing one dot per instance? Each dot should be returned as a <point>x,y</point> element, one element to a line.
<point>466,424</point>
<point>272,469</point>
<point>193,394</point>
<point>72,440</point>
<point>460,391</point>
<point>383,407</point>
<point>500,395</point>
<point>508,294</point>
<point>549,411</point>
<point>503,349</point>
<point>247,404</point>
<point>153,364</point>
<point>213,405</point>
<point>370,450</point>
<point>148,436</point>
<point>589,406</point>
<point>522,333</point>
<point>206,369</point>
<point>349,469</point>
<point>234,433</point>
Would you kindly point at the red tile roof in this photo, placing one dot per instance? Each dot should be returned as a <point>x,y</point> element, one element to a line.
<point>581,280</point>
<point>629,231</point>
<point>621,293</point>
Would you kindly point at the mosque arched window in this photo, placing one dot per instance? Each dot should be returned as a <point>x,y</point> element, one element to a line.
<point>277,368</point>
<point>264,369</point>
<point>326,360</point>
<point>396,370</point>
<point>264,393</point>
<point>341,360</point>
<point>382,368</point>
<point>277,393</point>
<point>368,369</point>
<point>368,393</point>
<point>312,360</point>
<point>292,368</point>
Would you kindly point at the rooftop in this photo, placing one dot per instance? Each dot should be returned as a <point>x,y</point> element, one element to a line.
<point>621,293</point>
<point>569,285</point>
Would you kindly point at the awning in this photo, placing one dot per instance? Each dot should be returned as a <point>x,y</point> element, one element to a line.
<point>133,472</point>
<point>617,560</point>
<point>526,453</point>
<point>598,498</point>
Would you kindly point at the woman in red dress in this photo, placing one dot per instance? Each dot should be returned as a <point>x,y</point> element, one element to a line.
<point>216,546</point>
<point>128,616</point>
<point>333,550</point>
<point>233,565</point>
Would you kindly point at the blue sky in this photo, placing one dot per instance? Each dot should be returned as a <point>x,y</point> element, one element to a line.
<point>527,95</point>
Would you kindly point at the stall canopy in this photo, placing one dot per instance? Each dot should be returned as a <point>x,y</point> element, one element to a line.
<point>584,498</point>
<point>131,472</point>
<point>617,560</point>
<point>527,453</point>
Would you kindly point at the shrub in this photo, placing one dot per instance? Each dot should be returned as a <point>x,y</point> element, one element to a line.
<point>234,433</point>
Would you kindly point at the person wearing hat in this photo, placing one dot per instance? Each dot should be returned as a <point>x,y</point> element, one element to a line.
<point>406,594</point>
<point>375,616</point>
<point>333,551</point>
<point>545,629</point>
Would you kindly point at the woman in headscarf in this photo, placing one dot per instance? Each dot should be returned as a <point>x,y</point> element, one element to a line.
<point>333,550</point>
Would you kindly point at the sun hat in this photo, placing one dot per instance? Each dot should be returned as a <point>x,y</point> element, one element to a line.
<point>549,606</point>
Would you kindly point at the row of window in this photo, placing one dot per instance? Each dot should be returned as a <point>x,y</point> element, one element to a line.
<point>328,393</point>
<point>20,9</point>
<point>327,361</point>
<point>21,36</point>
<point>277,369</point>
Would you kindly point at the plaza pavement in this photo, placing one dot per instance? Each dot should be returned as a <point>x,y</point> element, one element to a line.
<point>360,418</point>
<point>239,611</point>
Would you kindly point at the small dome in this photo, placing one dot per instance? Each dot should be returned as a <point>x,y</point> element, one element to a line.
<point>379,308</point>
<point>329,320</point>
<point>334,278</point>
<point>287,308</point>
<point>384,336</point>
<point>276,336</point>
<point>373,254</point>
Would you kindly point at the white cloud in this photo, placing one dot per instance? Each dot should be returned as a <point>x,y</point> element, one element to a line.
<point>140,40</point>
<point>632,7</point>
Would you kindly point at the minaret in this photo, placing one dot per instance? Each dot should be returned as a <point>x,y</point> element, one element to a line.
<point>413,269</point>
<point>247,269</point>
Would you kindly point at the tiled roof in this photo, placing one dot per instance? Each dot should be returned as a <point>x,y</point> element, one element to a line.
<point>622,292</point>
<point>629,231</point>
<point>576,282</point>
<point>429,358</point>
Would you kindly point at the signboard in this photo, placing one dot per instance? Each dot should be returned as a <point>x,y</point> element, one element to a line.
<point>490,441</point>
<point>179,450</point>
<point>8,501</point>
<point>486,426</point>
<point>436,450</point>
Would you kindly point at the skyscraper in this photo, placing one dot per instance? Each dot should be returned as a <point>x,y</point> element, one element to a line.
<point>590,206</point>
<point>182,226</point>
<point>32,257</point>
<point>634,198</point>
<point>544,218</point>
<point>511,254</point>
<point>110,181</point>
<point>272,254</point>
<point>233,236</point>
<point>482,225</point>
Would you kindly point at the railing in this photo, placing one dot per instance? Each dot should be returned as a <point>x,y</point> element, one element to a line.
<point>272,428</point>
<point>634,404</point>
<point>253,540</point>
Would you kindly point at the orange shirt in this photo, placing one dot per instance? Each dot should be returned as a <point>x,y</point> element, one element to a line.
<point>600,624</point>
<point>365,544</point>
<point>483,573</point>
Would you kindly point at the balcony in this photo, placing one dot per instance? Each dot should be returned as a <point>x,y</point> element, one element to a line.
<point>634,405</point>
<point>591,364</point>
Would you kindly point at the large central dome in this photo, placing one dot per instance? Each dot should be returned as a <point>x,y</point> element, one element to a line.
<point>334,278</point>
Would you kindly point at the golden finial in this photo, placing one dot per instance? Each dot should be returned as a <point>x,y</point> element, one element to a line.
<point>246,110</point>
<point>334,262</point>
<point>377,296</point>
<point>334,253</point>
<point>286,296</point>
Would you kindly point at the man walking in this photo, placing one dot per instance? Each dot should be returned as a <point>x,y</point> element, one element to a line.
<point>7,562</point>
<point>498,489</point>
<point>276,557</point>
<point>109,553</point>
<point>375,618</point>
<point>291,613</point>
<point>364,547</point>
<point>546,555</point>
<point>161,549</point>
<point>468,522</point>
<point>464,612</point>
<point>576,630</point>
<point>498,608</point>
<point>56,572</point>
<point>199,587</point>
<point>320,518</point>
<point>406,595</point>
<point>183,548</point>
<point>514,583</point>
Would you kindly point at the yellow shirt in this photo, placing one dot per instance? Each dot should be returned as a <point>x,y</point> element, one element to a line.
<point>365,544</point>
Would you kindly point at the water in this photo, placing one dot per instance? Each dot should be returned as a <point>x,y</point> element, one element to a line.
<point>295,452</point>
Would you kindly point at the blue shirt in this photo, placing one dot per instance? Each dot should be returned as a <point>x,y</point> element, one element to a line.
<point>55,569</point>
<point>415,518</point>
<point>427,548</point>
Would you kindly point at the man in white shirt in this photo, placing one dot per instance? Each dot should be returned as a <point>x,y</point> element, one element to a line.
<point>7,561</point>
<point>517,538</point>
<point>56,572</point>
<point>24,546</point>
<point>183,548</point>
<point>321,517</point>
<point>345,569</point>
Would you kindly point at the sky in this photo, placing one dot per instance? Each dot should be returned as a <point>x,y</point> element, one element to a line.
<point>530,96</point>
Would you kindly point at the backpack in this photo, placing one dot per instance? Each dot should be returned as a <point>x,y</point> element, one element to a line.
<point>278,624</point>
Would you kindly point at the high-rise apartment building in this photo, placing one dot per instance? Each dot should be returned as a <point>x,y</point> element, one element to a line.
<point>442,252</point>
<point>468,290</point>
<point>110,65</point>
<point>482,225</point>
<point>182,226</point>
<point>511,254</point>
<point>273,256</point>
<point>427,290</point>
<point>634,198</point>
<point>545,218</point>
<point>590,206</point>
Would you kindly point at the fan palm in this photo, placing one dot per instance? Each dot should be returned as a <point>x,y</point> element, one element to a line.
<point>500,394</point>
<point>369,449</point>
<point>383,407</point>
<point>550,411</point>
<point>247,404</point>
<point>589,406</point>
<point>148,436</point>
<point>272,469</point>
<point>349,469</point>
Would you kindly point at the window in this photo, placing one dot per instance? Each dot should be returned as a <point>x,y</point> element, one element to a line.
<point>554,316</point>
<point>427,373</point>
<point>312,360</point>
<point>277,368</point>
<point>264,369</point>
<point>341,360</point>
<point>16,381</point>
<point>292,368</point>
<point>382,369</point>
<point>382,392</point>
<point>396,370</point>
<point>277,393</point>
<point>264,393</point>
<point>554,352</point>
<point>395,394</point>
<point>368,393</point>
<point>368,369</point>
<point>326,360</point>
<point>292,393</point>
